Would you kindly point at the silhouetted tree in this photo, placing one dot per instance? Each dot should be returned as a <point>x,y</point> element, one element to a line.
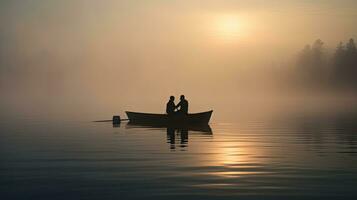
<point>339,63</point>
<point>304,59</point>
<point>318,57</point>
<point>340,53</point>
<point>314,67</point>
<point>345,64</point>
<point>311,63</point>
<point>351,62</point>
<point>351,46</point>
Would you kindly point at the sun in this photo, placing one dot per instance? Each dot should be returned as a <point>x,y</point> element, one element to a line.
<point>229,27</point>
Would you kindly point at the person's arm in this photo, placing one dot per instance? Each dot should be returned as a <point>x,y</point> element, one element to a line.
<point>178,105</point>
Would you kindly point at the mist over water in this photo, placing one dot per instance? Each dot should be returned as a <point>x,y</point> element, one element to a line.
<point>104,58</point>
<point>280,126</point>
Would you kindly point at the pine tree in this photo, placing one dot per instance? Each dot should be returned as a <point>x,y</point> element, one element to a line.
<point>339,63</point>
<point>351,62</point>
<point>345,64</point>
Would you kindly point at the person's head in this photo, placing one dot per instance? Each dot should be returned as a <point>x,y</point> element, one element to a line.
<point>182,97</point>
<point>172,98</point>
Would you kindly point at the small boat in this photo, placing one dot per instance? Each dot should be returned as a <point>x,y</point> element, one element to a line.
<point>164,119</point>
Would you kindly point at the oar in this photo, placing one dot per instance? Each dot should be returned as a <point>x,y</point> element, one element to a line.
<point>116,120</point>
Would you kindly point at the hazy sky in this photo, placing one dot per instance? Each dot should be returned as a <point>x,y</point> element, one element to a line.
<point>90,48</point>
<point>171,32</point>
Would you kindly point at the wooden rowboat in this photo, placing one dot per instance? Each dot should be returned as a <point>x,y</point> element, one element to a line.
<point>164,119</point>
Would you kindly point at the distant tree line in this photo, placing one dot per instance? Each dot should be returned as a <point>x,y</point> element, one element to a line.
<point>315,66</point>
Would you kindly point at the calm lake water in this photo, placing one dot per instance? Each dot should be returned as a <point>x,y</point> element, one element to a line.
<point>305,156</point>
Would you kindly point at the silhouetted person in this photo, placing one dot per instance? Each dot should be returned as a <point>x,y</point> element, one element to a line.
<point>170,106</point>
<point>183,105</point>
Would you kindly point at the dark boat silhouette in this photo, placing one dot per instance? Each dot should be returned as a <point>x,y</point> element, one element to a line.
<point>172,120</point>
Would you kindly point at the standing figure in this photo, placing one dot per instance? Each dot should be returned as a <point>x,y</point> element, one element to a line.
<point>170,106</point>
<point>182,105</point>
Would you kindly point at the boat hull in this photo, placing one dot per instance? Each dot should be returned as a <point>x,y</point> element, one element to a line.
<point>163,119</point>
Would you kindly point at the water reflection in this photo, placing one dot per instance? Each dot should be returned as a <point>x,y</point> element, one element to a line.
<point>177,136</point>
<point>322,130</point>
<point>116,125</point>
<point>301,156</point>
<point>182,135</point>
